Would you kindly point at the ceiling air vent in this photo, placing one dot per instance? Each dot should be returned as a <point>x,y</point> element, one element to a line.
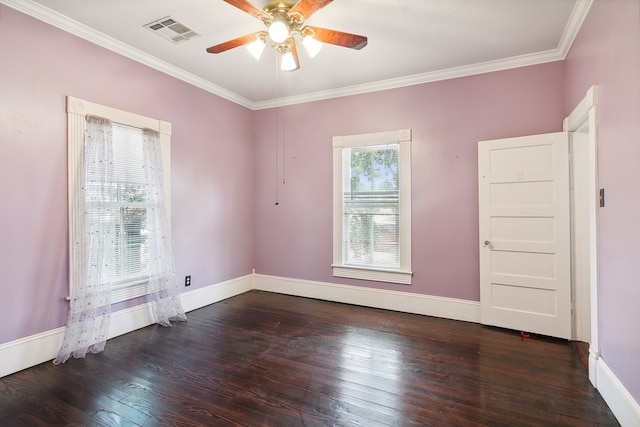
<point>171,29</point>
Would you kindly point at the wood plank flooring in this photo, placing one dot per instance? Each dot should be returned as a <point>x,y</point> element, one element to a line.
<point>263,359</point>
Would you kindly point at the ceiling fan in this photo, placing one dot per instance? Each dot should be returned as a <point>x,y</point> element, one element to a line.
<point>285,22</point>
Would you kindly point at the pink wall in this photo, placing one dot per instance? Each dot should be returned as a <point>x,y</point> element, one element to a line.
<point>448,118</point>
<point>607,53</point>
<point>212,161</point>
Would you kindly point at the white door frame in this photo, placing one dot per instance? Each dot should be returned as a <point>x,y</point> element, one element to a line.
<point>583,118</point>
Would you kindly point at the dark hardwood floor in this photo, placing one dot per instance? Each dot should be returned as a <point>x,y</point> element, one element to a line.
<point>263,359</point>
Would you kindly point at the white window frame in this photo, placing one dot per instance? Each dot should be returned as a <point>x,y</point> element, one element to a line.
<point>77,110</point>
<point>403,274</point>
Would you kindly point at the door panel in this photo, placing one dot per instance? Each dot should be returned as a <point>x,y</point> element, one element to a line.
<point>525,258</point>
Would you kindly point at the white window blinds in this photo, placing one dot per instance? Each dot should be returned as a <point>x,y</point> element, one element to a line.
<point>131,252</point>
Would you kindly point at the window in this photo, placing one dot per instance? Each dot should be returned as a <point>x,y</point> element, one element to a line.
<point>127,198</point>
<point>372,206</point>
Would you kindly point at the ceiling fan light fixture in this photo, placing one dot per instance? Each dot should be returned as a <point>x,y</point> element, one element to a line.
<point>285,24</point>
<point>279,31</point>
<point>256,47</point>
<point>288,62</point>
<point>311,45</point>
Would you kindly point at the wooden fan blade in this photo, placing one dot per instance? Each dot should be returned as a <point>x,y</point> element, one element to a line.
<point>306,8</point>
<point>339,38</point>
<point>247,7</point>
<point>294,51</point>
<point>234,43</point>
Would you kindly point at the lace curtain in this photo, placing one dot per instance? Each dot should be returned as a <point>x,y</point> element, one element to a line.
<point>90,306</point>
<point>163,287</point>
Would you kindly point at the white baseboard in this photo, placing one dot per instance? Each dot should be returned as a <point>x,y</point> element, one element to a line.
<point>29,351</point>
<point>407,302</point>
<point>625,408</point>
<point>35,349</point>
<point>202,297</point>
<point>593,372</point>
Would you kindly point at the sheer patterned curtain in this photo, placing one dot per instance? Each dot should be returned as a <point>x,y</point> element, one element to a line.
<point>163,287</point>
<point>94,258</point>
<point>90,306</point>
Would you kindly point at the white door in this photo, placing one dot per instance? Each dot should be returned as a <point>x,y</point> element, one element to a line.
<point>525,252</point>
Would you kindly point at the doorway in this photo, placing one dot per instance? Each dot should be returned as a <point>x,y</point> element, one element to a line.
<point>580,125</point>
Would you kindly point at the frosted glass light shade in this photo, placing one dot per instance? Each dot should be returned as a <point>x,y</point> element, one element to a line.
<point>288,62</point>
<point>256,48</point>
<point>279,31</point>
<point>311,45</point>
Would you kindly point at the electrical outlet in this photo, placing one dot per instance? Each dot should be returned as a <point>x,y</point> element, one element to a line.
<point>187,280</point>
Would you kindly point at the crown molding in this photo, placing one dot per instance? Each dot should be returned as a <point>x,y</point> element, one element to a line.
<point>69,25</point>
<point>578,14</point>
<point>577,17</point>
<point>416,79</point>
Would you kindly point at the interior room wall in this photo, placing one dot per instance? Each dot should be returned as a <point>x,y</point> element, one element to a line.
<point>606,53</point>
<point>212,167</point>
<point>448,118</point>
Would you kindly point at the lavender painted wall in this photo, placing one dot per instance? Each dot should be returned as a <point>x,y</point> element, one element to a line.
<point>448,118</point>
<point>212,167</point>
<point>607,53</point>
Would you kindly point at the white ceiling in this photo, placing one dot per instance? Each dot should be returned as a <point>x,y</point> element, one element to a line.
<point>410,42</point>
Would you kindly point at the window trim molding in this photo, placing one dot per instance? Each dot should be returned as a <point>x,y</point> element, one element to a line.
<point>77,110</point>
<point>402,275</point>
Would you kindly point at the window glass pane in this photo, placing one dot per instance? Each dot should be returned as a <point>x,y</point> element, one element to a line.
<point>370,206</point>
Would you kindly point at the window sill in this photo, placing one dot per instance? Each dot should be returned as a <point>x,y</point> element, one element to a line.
<point>129,290</point>
<point>376,275</point>
<point>126,291</point>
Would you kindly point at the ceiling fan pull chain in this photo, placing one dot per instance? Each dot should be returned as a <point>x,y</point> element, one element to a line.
<point>276,153</point>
